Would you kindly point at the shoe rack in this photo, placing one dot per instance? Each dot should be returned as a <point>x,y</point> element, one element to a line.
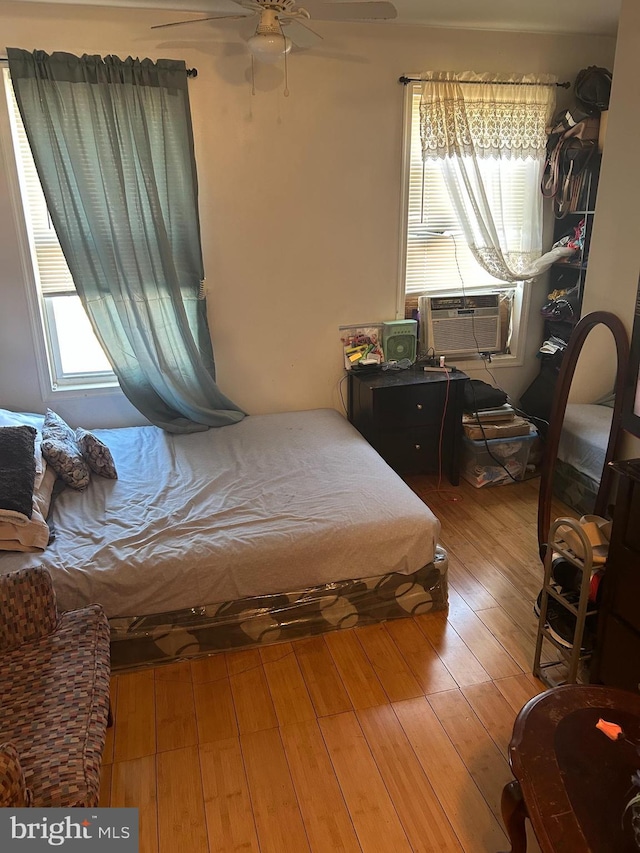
<point>569,659</point>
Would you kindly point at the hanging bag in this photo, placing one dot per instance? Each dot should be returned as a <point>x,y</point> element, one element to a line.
<point>570,147</point>
<point>573,140</point>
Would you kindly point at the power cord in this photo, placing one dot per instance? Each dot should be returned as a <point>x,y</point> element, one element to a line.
<point>405,364</point>
<point>484,356</point>
<point>429,357</point>
<point>456,496</point>
<point>487,357</point>
<point>529,417</point>
<point>341,381</point>
<point>473,391</point>
<point>401,364</point>
<point>464,292</point>
<point>484,436</point>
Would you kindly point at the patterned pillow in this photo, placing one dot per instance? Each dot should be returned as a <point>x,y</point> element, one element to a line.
<point>97,454</point>
<point>13,790</point>
<point>60,449</point>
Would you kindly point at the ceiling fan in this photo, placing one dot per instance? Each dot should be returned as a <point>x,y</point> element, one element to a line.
<point>270,41</point>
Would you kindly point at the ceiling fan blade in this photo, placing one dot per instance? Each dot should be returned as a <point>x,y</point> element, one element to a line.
<point>230,7</point>
<point>200,20</point>
<point>351,10</point>
<point>300,33</point>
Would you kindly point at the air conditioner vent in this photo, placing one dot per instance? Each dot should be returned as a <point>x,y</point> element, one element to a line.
<point>457,324</point>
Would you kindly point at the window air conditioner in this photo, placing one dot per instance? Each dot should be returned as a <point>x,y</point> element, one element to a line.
<point>454,324</point>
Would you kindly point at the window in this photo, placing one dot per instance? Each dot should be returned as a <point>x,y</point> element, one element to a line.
<point>437,258</point>
<point>74,355</point>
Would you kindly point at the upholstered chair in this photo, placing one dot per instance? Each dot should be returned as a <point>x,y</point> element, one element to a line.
<point>54,695</point>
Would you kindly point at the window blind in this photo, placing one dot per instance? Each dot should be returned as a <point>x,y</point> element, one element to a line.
<point>51,266</point>
<point>443,261</point>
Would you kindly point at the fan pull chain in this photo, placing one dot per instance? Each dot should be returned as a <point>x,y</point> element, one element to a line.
<point>253,76</point>
<point>286,74</point>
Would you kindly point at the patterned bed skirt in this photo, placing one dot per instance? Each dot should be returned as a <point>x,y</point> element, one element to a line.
<point>183,634</point>
<point>574,488</point>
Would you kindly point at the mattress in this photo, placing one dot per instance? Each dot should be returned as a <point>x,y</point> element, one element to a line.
<point>584,438</point>
<point>575,489</point>
<point>264,619</point>
<point>273,503</point>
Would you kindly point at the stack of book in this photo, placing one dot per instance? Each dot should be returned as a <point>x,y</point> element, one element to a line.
<point>499,422</point>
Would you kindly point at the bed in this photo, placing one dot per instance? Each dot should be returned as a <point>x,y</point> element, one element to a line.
<point>279,526</point>
<point>581,453</point>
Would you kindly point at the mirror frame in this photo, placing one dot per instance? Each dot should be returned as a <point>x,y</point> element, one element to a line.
<point>558,408</point>
<point>631,397</point>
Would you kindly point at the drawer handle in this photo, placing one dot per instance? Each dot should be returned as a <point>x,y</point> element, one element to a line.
<point>419,407</point>
<point>417,447</point>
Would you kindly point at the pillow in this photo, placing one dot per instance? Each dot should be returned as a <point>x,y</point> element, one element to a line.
<point>17,463</point>
<point>36,534</point>
<point>8,418</point>
<point>60,449</point>
<point>97,454</point>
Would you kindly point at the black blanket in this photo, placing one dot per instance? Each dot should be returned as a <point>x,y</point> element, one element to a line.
<point>17,469</point>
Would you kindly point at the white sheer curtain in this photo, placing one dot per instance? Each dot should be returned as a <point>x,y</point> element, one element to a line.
<point>490,133</point>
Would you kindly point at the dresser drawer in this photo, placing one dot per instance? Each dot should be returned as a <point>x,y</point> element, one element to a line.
<point>409,406</point>
<point>409,451</point>
<point>401,415</point>
<point>624,600</point>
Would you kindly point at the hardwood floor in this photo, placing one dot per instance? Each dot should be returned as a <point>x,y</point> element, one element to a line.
<point>380,739</point>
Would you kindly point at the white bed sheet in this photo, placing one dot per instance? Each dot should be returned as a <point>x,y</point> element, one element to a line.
<point>272,504</point>
<point>584,437</point>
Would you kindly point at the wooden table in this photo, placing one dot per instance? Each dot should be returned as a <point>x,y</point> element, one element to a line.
<point>573,782</point>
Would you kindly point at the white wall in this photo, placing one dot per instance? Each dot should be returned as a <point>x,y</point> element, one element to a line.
<point>614,260</point>
<point>299,196</point>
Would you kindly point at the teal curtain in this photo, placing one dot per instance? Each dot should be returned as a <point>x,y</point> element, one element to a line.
<point>113,146</point>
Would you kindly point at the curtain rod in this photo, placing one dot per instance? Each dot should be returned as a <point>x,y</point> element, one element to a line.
<point>406,80</point>
<point>191,72</point>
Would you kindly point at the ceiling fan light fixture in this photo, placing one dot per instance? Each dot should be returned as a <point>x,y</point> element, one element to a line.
<point>269,47</point>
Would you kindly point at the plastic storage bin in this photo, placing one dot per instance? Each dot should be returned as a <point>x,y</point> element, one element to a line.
<point>482,463</point>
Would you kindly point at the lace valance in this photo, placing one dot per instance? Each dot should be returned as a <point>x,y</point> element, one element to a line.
<point>485,115</point>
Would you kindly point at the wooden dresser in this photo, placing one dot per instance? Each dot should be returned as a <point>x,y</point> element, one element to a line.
<point>616,660</point>
<point>400,413</point>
